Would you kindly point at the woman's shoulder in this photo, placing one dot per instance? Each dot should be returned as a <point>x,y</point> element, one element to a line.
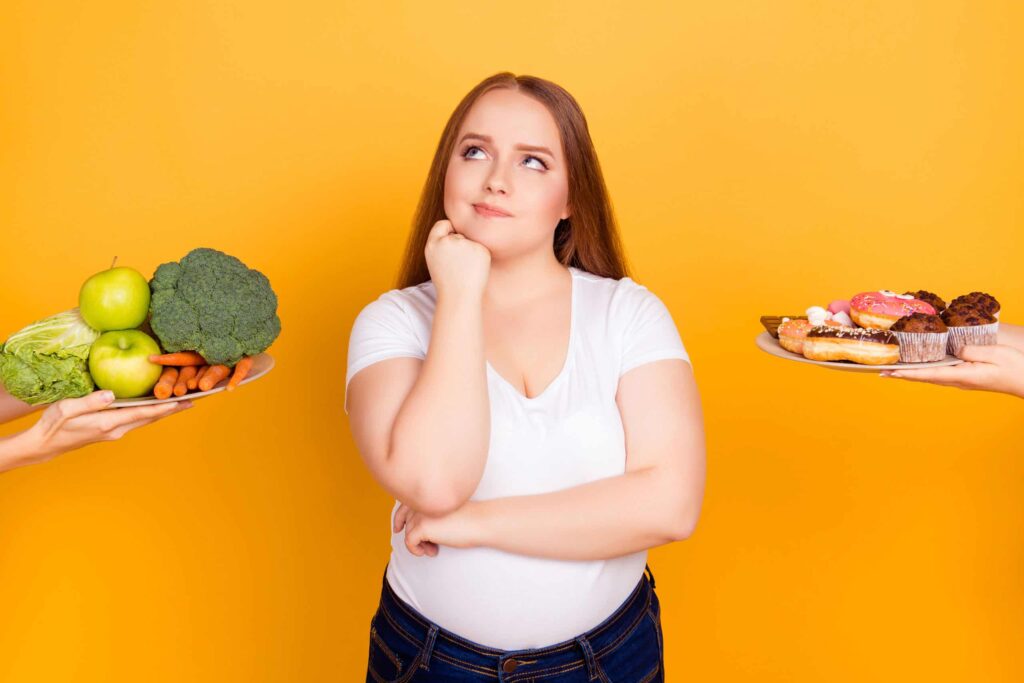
<point>399,308</point>
<point>613,292</point>
<point>416,297</point>
<point>625,282</point>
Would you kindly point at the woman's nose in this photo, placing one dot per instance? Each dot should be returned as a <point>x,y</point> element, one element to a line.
<point>496,181</point>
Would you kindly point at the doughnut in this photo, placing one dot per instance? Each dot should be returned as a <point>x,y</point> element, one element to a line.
<point>867,347</point>
<point>792,333</point>
<point>879,310</point>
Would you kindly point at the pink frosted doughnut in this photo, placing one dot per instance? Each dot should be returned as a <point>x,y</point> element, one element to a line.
<point>881,309</point>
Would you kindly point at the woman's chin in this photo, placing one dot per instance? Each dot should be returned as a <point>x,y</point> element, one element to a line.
<point>474,230</point>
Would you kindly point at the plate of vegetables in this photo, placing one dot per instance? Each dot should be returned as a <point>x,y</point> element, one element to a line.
<point>187,376</point>
<point>199,326</point>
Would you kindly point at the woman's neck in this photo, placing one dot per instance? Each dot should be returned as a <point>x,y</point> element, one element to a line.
<point>523,280</point>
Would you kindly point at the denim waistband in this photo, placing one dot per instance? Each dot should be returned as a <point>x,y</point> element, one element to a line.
<point>581,651</point>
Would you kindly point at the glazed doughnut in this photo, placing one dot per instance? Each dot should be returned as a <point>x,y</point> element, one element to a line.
<point>879,310</point>
<point>867,347</point>
<point>792,334</point>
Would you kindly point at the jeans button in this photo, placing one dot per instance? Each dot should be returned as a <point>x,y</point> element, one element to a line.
<point>509,666</point>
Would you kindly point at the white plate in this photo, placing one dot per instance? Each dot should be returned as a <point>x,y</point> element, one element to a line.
<point>261,365</point>
<point>770,344</point>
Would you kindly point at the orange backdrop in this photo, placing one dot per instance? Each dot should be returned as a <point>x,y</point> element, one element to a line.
<point>762,157</point>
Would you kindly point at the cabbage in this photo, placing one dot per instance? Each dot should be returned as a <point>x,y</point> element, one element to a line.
<point>47,361</point>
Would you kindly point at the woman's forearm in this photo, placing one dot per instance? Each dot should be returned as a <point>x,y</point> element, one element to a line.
<point>441,434</point>
<point>594,521</point>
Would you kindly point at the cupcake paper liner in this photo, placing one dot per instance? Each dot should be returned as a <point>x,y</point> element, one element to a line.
<point>981,335</point>
<point>922,347</point>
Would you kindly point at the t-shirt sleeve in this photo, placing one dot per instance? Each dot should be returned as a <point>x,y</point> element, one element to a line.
<point>382,330</point>
<point>649,333</point>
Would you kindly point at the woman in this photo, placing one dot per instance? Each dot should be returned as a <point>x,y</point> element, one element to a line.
<point>69,424</point>
<point>998,368</point>
<point>530,407</point>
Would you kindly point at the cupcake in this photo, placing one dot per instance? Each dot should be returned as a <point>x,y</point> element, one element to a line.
<point>936,302</point>
<point>985,302</point>
<point>922,337</point>
<point>969,324</point>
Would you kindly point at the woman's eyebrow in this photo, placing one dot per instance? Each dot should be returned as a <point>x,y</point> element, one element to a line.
<point>524,148</point>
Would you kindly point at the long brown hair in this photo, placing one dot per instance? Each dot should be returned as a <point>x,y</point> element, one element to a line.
<point>588,239</point>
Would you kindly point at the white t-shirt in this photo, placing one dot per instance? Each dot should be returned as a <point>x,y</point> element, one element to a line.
<point>568,435</point>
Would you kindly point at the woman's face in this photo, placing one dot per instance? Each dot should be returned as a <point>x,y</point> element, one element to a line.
<point>508,156</point>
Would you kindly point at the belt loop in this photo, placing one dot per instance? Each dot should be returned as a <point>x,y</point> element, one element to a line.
<point>647,568</point>
<point>588,654</point>
<point>428,647</point>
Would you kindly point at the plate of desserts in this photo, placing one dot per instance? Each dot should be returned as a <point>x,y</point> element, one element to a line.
<point>883,330</point>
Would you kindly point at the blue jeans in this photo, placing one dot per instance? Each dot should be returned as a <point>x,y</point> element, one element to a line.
<point>627,647</point>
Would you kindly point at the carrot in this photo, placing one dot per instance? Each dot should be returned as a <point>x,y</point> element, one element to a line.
<point>241,370</point>
<point>165,385</point>
<point>180,358</point>
<point>194,382</point>
<point>215,374</point>
<point>185,375</point>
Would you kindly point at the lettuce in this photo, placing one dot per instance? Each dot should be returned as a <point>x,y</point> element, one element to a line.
<point>47,360</point>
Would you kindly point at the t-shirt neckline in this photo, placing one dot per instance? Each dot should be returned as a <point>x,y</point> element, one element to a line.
<point>568,352</point>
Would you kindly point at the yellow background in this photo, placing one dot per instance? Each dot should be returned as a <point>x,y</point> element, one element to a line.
<point>762,157</point>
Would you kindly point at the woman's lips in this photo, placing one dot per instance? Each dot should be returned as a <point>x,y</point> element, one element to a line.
<point>485,210</point>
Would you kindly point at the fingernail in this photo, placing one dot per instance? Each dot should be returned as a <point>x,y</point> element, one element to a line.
<point>186,404</point>
<point>108,395</point>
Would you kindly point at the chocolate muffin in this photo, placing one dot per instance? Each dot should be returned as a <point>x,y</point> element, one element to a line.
<point>919,322</point>
<point>966,315</point>
<point>985,302</point>
<point>932,299</point>
<point>923,338</point>
<point>969,325</point>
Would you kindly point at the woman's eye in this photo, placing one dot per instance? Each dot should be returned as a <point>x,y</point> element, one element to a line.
<point>472,150</point>
<point>542,165</point>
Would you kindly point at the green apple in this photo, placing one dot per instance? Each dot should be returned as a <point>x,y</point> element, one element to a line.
<point>114,299</point>
<point>119,361</point>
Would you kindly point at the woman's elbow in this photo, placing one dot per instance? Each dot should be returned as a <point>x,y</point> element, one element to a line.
<point>683,531</point>
<point>428,493</point>
<point>439,500</point>
<point>437,506</point>
<point>684,524</point>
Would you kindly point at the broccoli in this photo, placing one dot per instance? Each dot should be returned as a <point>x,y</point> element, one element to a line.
<point>213,304</point>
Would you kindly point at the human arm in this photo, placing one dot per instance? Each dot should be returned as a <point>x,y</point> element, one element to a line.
<point>1011,335</point>
<point>75,422</point>
<point>12,408</point>
<point>423,426</point>
<point>656,501</point>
